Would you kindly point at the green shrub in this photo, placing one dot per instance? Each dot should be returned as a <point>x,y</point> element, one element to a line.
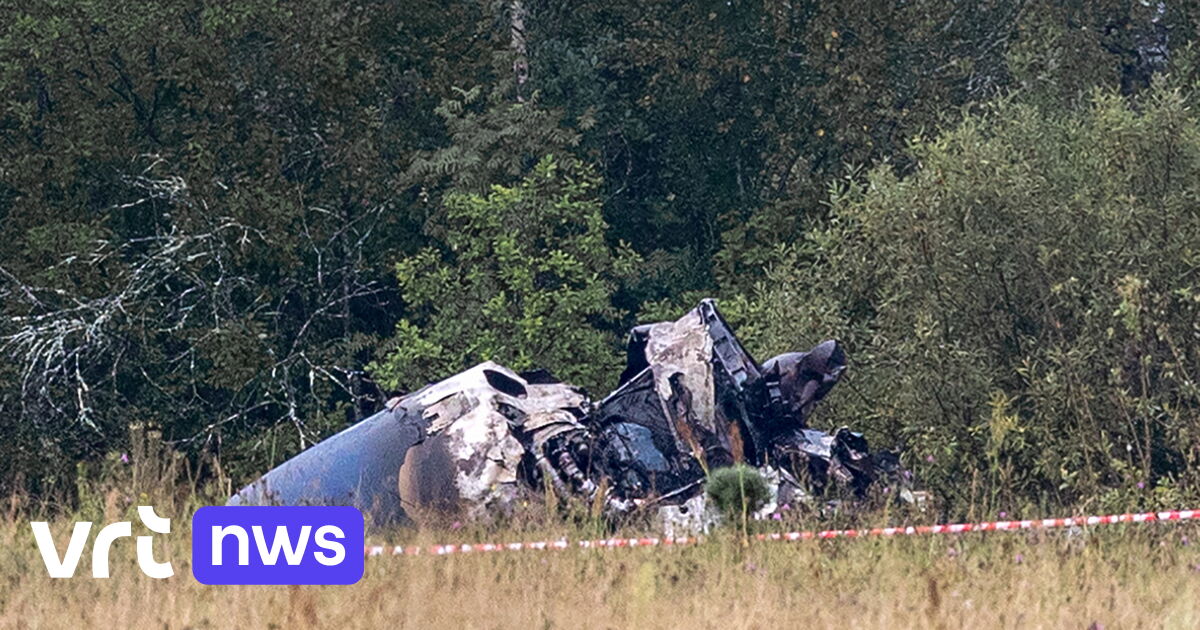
<point>1022,311</point>
<point>522,276</point>
<point>737,490</point>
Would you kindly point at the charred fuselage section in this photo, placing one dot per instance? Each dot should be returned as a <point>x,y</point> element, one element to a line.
<point>690,400</point>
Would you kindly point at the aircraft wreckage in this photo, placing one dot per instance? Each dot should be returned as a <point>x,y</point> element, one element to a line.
<point>691,399</point>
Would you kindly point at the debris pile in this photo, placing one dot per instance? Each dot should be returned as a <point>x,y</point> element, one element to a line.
<point>690,400</point>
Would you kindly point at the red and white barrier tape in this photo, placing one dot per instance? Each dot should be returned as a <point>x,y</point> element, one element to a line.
<point>956,528</point>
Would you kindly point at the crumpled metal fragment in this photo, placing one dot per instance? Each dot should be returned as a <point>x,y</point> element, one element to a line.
<point>456,445</point>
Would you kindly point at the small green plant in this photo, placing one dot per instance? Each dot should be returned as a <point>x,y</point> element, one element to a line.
<point>737,491</point>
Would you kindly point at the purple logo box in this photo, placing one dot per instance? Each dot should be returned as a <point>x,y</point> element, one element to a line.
<point>243,544</point>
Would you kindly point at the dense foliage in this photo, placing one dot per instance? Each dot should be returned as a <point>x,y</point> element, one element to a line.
<point>523,277</point>
<point>245,223</point>
<point>1024,308</point>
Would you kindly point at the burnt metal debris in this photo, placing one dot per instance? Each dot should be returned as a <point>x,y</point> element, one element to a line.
<point>691,399</point>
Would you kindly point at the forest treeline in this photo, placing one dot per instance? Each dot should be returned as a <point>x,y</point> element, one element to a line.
<point>246,223</point>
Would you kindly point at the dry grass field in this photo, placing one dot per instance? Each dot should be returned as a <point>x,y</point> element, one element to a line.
<point>1125,576</point>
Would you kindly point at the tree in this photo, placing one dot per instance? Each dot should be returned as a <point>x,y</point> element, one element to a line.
<point>201,206</point>
<point>1021,309</point>
<point>522,276</point>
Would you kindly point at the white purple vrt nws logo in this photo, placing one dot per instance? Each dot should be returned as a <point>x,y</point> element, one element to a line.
<point>231,545</point>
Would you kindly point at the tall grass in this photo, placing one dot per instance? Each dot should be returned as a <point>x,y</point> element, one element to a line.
<point>1121,577</point>
<point>1125,576</point>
